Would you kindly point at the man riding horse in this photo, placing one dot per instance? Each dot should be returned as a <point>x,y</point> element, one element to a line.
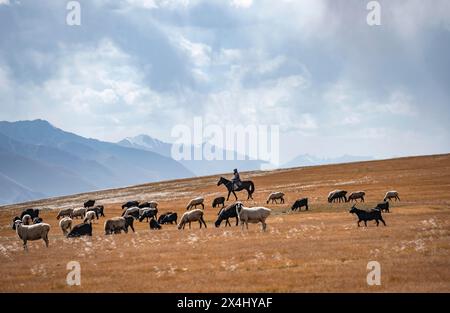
<point>235,184</point>
<point>236,180</point>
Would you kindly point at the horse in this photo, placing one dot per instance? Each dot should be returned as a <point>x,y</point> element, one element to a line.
<point>246,184</point>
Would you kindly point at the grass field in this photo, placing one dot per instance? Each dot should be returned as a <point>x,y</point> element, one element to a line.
<point>318,250</point>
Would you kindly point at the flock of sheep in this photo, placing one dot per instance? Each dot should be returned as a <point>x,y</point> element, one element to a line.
<point>29,226</point>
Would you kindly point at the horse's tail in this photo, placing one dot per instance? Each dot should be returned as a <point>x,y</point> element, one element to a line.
<point>252,188</point>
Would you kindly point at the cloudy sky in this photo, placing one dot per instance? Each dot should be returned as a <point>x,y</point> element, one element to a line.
<point>334,84</point>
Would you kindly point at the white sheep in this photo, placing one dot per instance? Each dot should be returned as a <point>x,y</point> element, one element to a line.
<point>274,196</point>
<point>192,216</point>
<point>32,232</point>
<point>194,202</point>
<point>79,212</point>
<point>90,216</point>
<point>64,213</point>
<point>27,220</point>
<point>66,225</point>
<point>134,211</point>
<point>391,195</point>
<point>252,215</point>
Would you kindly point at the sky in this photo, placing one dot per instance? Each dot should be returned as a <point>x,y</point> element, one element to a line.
<point>333,84</point>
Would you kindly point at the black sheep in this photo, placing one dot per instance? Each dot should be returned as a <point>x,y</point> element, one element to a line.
<point>130,204</point>
<point>365,216</point>
<point>154,224</point>
<point>218,201</point>
<point>89,203</point>
<point>81,230</point>
<point>299,204</point>
<point>383,206</point>
<point>31,212</point>
<point>225,214</point>
<point>167,218</point>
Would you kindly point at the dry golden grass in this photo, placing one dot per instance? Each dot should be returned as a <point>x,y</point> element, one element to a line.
<point>319,250</point>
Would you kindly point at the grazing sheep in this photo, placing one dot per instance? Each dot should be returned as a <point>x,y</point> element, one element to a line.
<point>150,205</point>
<point>218,201</point>
<point>66,225</point>
<point>154,224</point>
<point>32,232</point>
<point>147,213</point>
<point>167,218</point>
<point>83,229</point>
<point>64,213</point>
<point>226,214</point>
<point>116,224</point>
<point>134,212</point>
<point>354,196</point>
<point>194,202</point>
<point>192,216</point>
<point>383,206</point>
<point>27,220</point>
<point>130,204</point>
<point>365,216</point>
<point>274,196</point>
<point>90,216</point>
<point>99,210</point>
<point>299,204</point>
<point>337,195</point>
<point>252,215</point>
<point>37,220</point>
<point>89,203</point>
<point>16,218</point>
<point>391,195</point>
<point>79,212</point>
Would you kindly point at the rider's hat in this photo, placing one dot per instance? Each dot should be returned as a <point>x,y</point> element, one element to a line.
<point>235,170</point>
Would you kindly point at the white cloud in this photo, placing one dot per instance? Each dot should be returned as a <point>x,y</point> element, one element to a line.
<point>241,3</point>
<point>199,53</point>
<point>156,4</point>
<point>5,2</point>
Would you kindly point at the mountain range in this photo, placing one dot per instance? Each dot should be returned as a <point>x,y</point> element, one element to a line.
<point>199,167</point>
<point>38,160</point>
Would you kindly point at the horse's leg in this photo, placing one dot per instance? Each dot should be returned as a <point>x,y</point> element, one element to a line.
<point>381,219</point>
<point>358,223</point>
<point>203,206</point>
<point>365,223</point>
<point>397,197</point>
<point>377,222</point>
<point>237,221</point>
<point>204,222</point>
<point>235,195</point>
<point>229,192</point>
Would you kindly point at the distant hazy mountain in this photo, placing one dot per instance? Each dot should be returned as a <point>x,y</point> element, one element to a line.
<point>13,192</point>
<point>310,160</point>
<point>42,160</point>
<point>199,167</point>
<point>145,142</point>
